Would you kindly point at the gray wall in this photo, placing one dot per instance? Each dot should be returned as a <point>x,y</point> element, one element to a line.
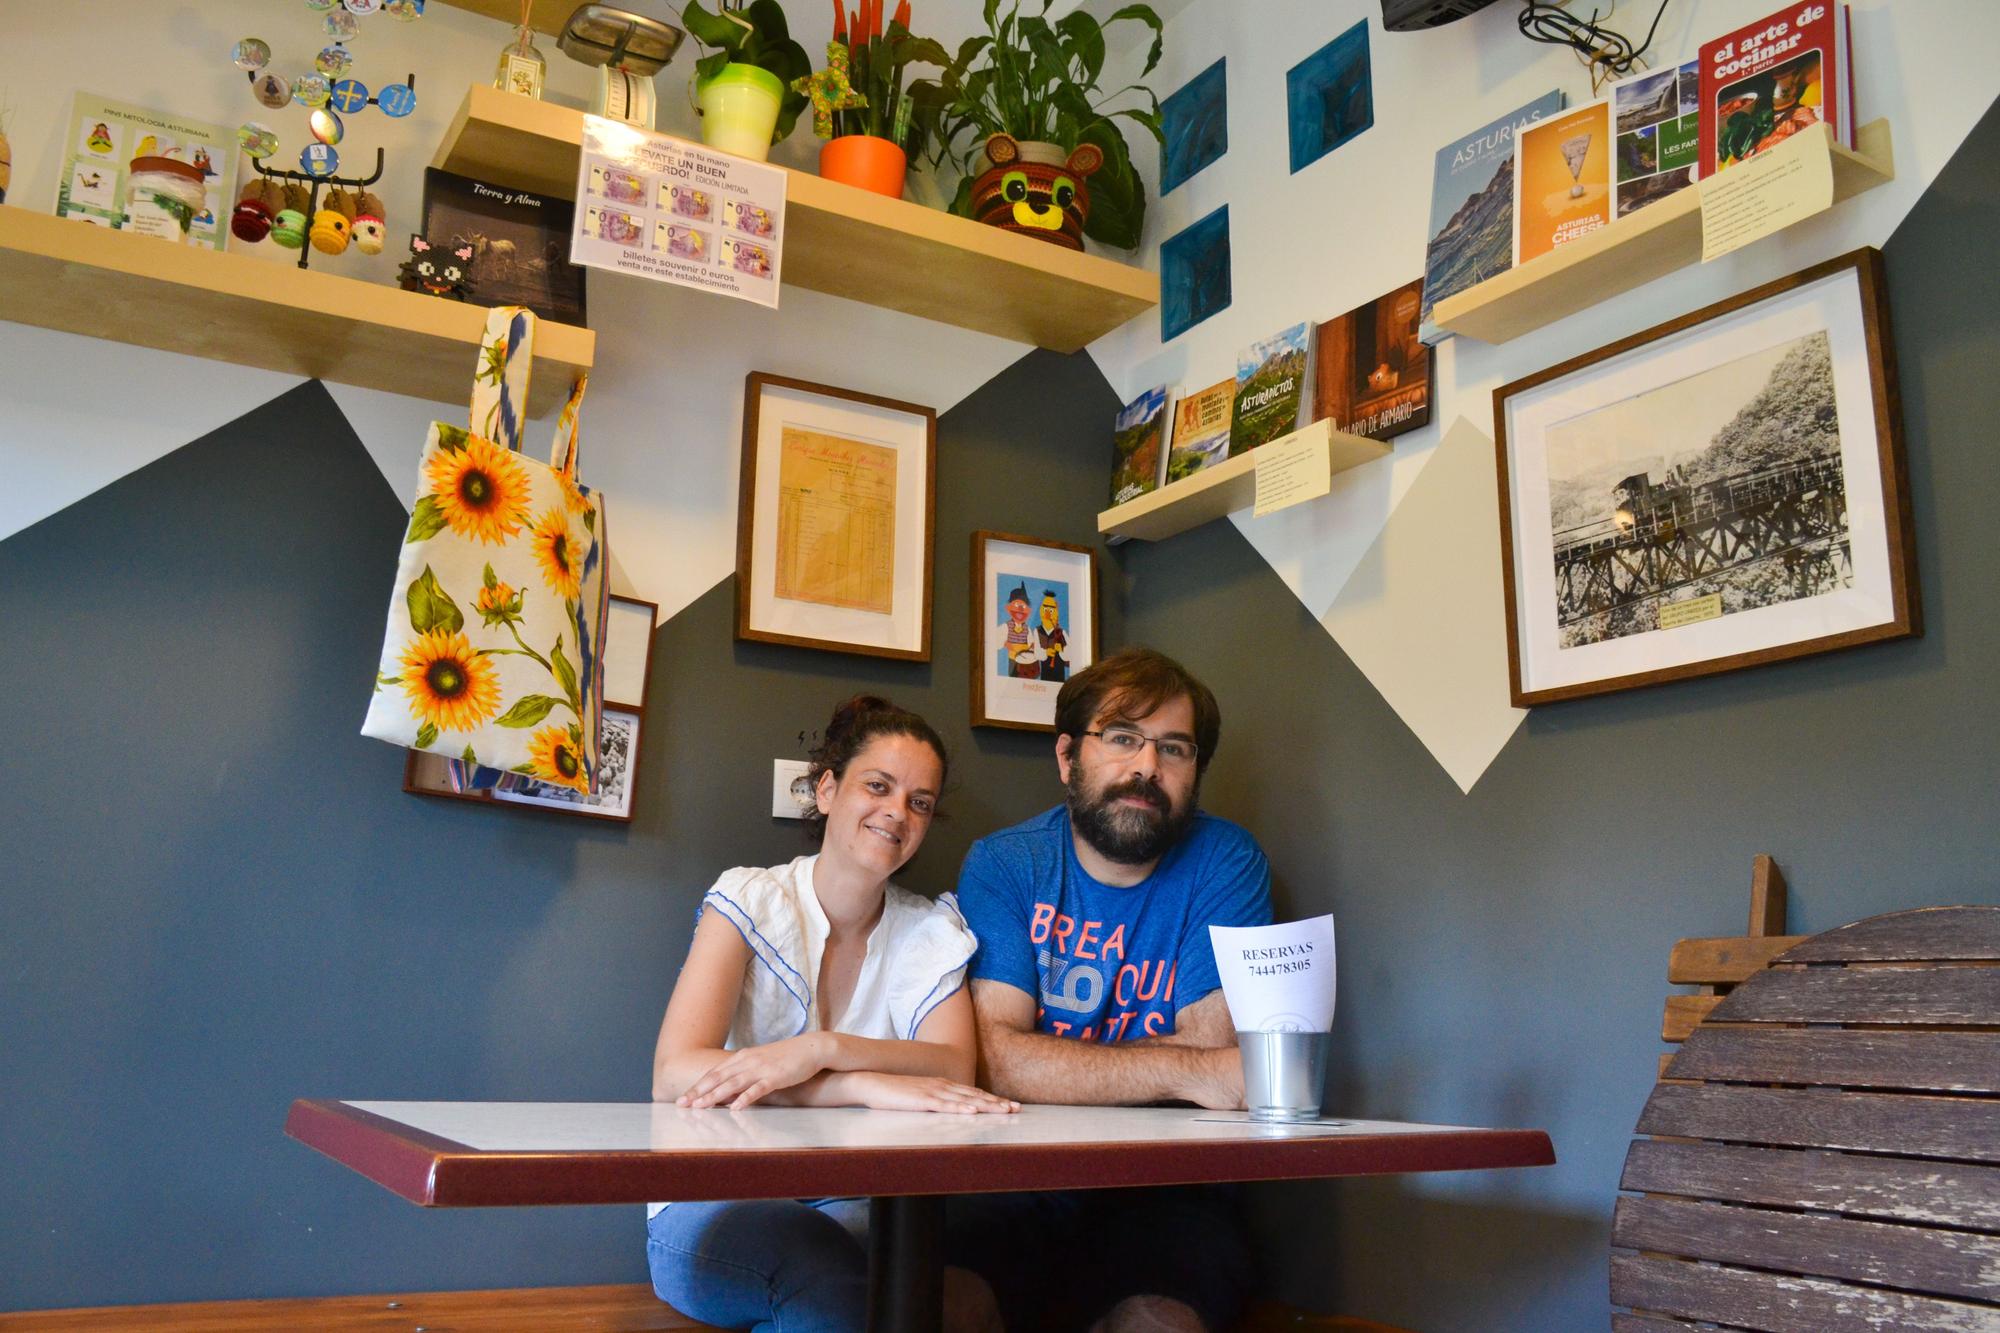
<point>216,898</point>
<point>1503,954</point>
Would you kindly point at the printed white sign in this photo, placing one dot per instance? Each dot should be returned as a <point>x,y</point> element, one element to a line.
<point>1277,978</point>
<point>674,211</point>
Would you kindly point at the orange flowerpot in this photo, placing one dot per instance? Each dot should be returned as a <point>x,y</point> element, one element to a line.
<point>866,160</point>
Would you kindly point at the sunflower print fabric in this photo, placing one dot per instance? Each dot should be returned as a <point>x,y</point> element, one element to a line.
<point>490,657</point>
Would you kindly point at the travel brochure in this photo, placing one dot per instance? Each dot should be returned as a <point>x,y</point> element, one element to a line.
<point>1137,445</point>
<point>1658,135</point>
<point>1270,388</point>
<point>1562,187</point>
<point>1201,429</point>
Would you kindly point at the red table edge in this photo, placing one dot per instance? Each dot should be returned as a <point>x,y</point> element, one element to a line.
<point>440,1173</point>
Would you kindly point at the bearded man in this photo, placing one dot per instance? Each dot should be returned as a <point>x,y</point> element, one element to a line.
<point>1095,984</point>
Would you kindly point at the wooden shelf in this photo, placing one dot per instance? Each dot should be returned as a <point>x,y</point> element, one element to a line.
<point>1223,488</point>
<point>1633,250</point>
<point>848,242</point>
<point>60,273</point>
<point>546,15</point>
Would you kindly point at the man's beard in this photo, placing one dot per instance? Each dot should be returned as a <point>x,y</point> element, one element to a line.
<point>1123,834</point>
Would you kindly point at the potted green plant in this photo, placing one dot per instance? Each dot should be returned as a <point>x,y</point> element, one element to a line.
<point>743,87</point>
<point>1021,112</point>
<point>859,106</point>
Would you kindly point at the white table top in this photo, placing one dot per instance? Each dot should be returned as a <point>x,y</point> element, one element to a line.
<point>663,1127</point>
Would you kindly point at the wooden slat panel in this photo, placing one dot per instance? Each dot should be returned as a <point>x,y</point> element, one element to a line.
<point>1642,1323</point>
<point>1891,1188</point>
<point>1926,1260</point>
<point>1927,935</point>
<point>1683,1012</point>
<point>1906,995</point>
<point>1860,1058</point>
<point>1779,1304</point>
<point>1725,961</point>
<point>1767,896</point>
<point>625,1308</point>
<point>1967,1128</point>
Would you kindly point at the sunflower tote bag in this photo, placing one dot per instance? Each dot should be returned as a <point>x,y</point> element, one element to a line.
<point>491,655</point>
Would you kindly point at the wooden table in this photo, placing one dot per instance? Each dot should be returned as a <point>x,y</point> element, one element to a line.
<point>484,1154</point>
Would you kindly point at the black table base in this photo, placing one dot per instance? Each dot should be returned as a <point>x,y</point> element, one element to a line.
<point>906,1264</point>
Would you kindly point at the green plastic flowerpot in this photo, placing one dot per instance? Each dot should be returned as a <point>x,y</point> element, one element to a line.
<point>739,110</point>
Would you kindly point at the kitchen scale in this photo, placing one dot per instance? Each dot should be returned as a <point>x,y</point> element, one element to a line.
<point>628,50</point>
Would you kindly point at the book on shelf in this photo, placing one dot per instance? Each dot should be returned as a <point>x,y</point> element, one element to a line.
<point>1201,430</point>
<point>1767,80</point>
<point>1655,116</point>
<point>1270,399</point>
<point>1371,373</point>
<point>1562,183</point>
<point>1472,208</point>
<point>1138,446</point>
<point>519,239</point>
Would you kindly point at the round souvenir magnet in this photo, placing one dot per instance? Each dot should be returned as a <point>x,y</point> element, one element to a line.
<point>362,6</point>
<point>257,139</point>
<point>396,100</point>
<point>319,159</point>
<point>326,126</point>
<point>340,25</point>
<point>310,90</point>
<point>321,6</point>
<point>333,61</point>
<point>251,54</point>
<point>348,96</point>
<point>404,10</point>
<point>273,90</point>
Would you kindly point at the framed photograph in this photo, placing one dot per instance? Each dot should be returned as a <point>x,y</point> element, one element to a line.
<point>1034,624</point>
<point>628,651</point>
<point>833,527</point>
<point>519,240</point>
<point>1721,491</point>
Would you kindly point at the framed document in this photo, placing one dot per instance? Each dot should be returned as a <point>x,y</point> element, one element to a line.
<point>1721,491</point>
<point>1034,625</point>
<point>833,528</point>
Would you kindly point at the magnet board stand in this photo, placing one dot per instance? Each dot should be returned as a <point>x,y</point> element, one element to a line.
<point>312,184</point>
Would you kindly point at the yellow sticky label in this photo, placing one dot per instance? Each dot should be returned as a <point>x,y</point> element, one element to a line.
<point>1673,615</point>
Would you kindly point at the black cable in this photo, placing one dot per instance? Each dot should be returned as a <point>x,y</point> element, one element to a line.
<point>1548,21</point>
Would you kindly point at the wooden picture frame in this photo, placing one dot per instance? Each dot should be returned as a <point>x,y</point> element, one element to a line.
<point>627,670</point>
<point>833,470</point>
<point>1018,660</point>
<point>1724,490</point>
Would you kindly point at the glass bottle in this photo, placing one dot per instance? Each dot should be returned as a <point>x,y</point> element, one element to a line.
<point>522,67</point>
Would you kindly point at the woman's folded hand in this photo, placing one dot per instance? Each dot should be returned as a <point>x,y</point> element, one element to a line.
<point>757,1071</point>
<point>922,1092</point>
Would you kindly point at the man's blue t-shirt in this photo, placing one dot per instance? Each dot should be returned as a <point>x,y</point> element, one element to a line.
<point>1108,963</point>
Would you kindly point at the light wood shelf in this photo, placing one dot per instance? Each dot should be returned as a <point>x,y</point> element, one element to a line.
<point>1223,488</point>
<point>545,15</point>
<point>848,242</point>
<point>1633,250</point>
<point>60,273</point>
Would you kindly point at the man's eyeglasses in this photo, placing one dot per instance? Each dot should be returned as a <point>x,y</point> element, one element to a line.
<point>1126,744</point>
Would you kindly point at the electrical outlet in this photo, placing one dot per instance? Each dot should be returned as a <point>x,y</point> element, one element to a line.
<point>788,801</point>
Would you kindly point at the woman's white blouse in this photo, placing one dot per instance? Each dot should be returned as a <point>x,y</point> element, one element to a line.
<point>917,955</point>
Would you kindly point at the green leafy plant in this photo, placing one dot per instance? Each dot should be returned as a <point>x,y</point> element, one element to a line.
<point>755,34</point>
<point>1035,79</point>
<point>878,56</point>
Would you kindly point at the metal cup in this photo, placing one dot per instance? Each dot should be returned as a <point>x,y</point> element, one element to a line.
<point>1284,1073</point>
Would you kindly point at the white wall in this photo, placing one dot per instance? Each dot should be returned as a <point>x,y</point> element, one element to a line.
<point>1353,225</point>
<point>661,428</point>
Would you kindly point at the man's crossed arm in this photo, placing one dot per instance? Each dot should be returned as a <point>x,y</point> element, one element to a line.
<point>1198,1062</point>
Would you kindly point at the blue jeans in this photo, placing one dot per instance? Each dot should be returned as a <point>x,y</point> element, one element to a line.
<point>774,1265</point>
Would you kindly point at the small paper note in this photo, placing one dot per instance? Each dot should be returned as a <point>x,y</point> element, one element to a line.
<point>1277,978</point>
<point>1293,469</point>
<point>1768,193</point>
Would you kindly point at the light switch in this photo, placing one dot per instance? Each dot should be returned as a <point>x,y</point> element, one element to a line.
<point>790,797</point>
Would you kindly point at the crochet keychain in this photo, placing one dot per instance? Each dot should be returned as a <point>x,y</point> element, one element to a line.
<point>290,227</point>
<point>371,227</point>
<point>334,221</point>
<point>257,209</point>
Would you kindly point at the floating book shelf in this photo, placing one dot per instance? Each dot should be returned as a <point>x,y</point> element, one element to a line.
<point>59,273</point>
<point>847,242</point>
<point>1633,250</point>
<point>1223,488</point>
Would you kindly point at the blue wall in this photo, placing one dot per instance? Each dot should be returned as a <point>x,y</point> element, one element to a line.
<point>216,898</point>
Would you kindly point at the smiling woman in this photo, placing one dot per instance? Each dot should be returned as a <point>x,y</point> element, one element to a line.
<point>817,983</point>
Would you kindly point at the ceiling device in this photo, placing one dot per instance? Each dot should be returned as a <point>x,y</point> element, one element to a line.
<point>1416,15</point>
